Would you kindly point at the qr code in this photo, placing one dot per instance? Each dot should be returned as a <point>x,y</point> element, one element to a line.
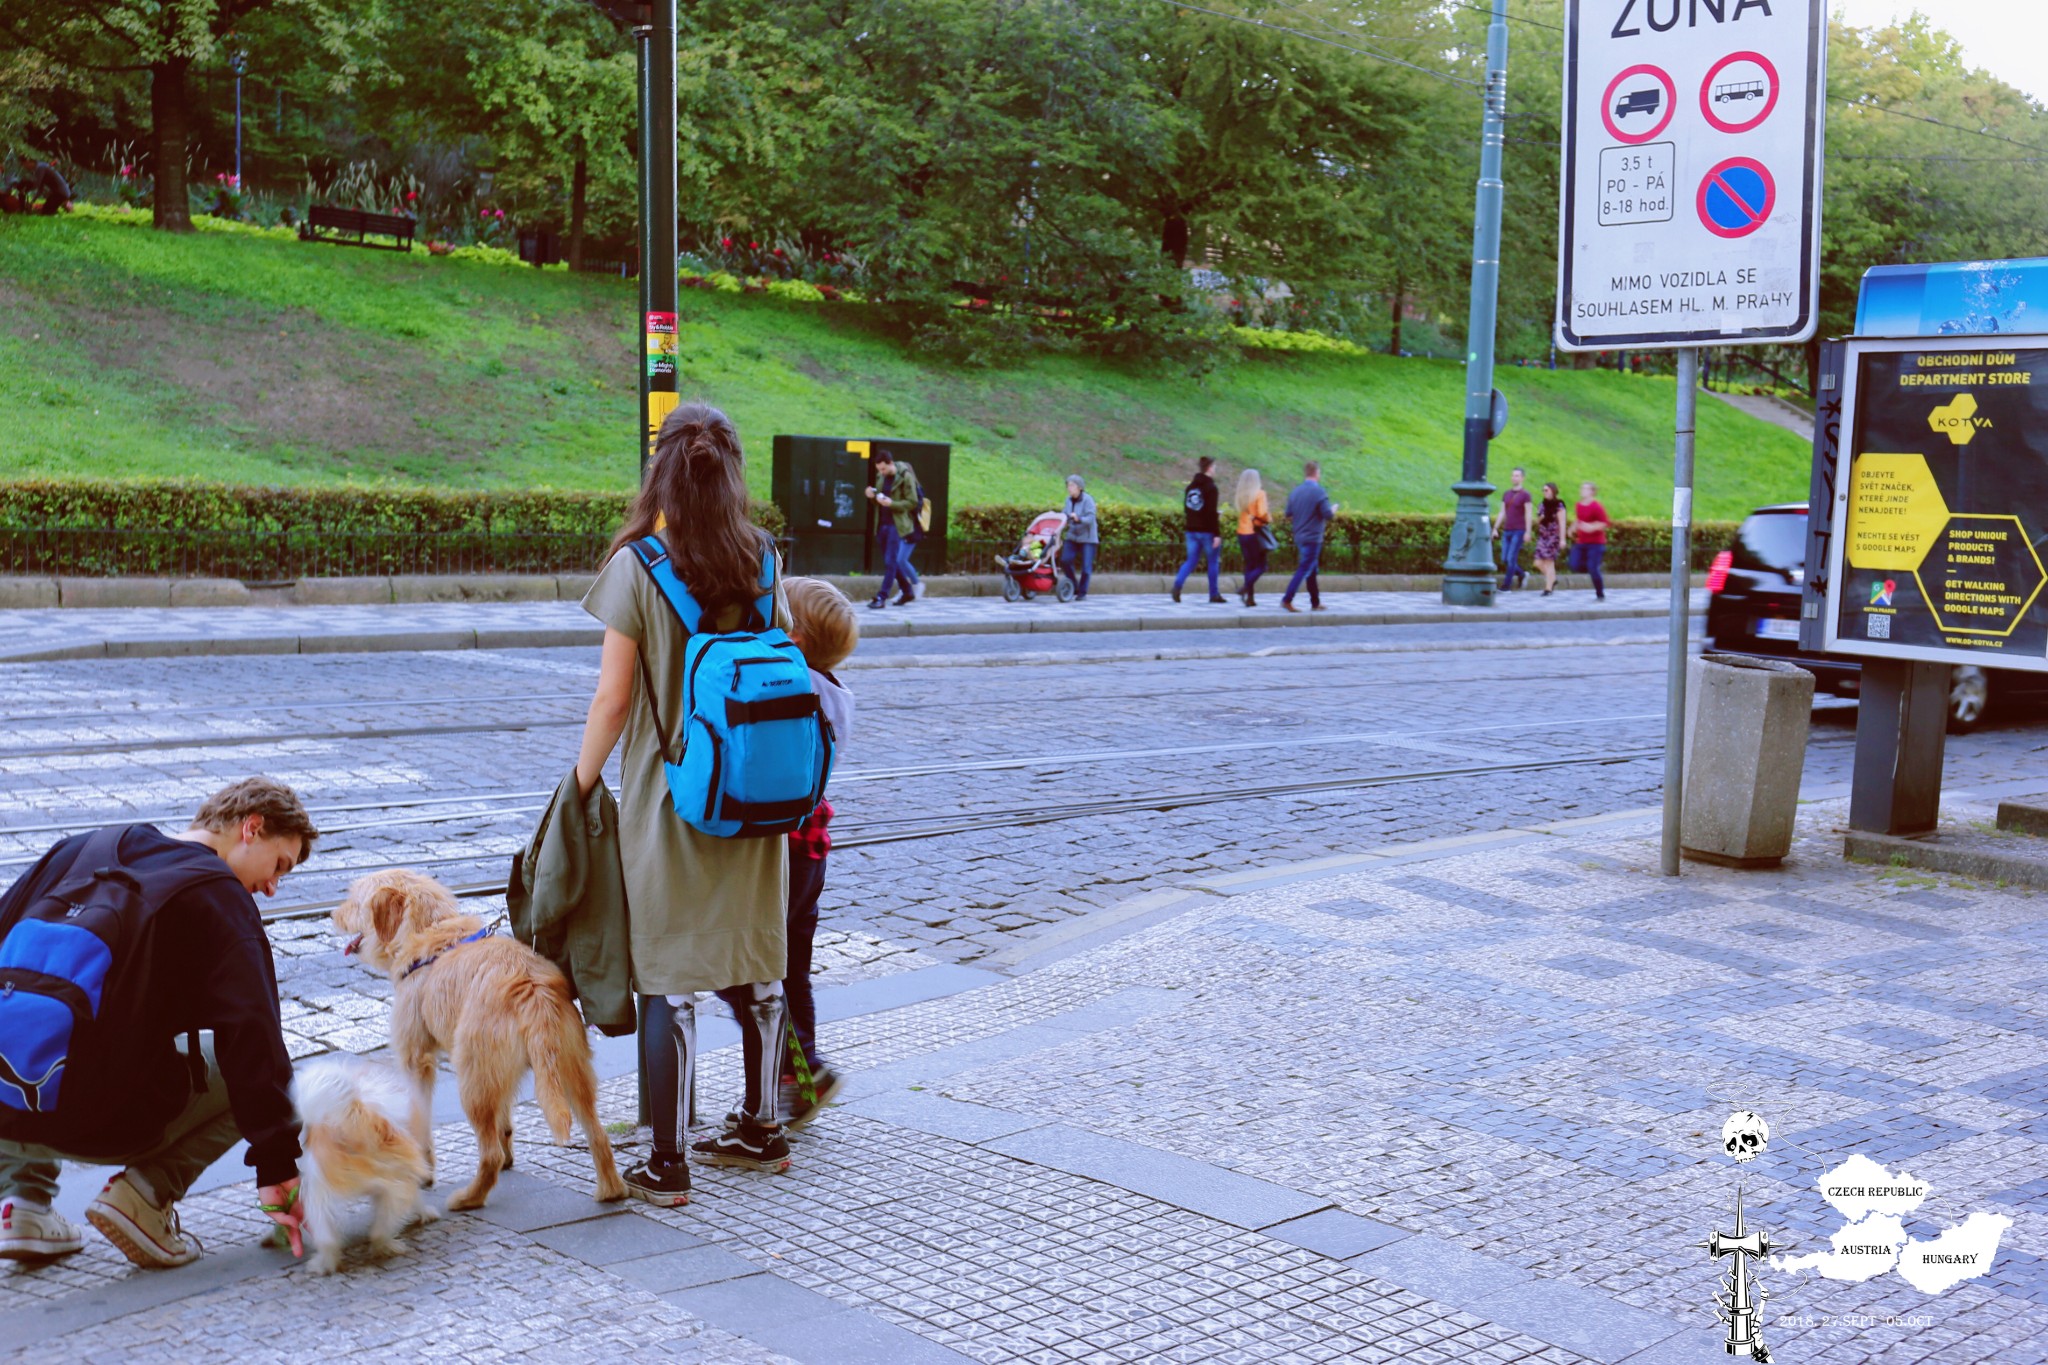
<point>1877,627</point>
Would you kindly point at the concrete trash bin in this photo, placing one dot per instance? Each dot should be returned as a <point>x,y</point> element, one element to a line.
<point>1745,749</point>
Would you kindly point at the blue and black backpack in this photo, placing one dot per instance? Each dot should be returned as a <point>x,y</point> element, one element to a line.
<point>74,969</point>
<point>754,751</point>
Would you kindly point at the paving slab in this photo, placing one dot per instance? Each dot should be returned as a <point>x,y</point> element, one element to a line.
<point>620,1236</point>
<point>1239,1200</point>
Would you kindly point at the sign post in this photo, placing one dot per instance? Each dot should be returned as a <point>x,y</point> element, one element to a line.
<point>1690,217</point>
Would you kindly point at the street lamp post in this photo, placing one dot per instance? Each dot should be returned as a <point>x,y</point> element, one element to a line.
<point>239,64</point>
<point>1468,569</point>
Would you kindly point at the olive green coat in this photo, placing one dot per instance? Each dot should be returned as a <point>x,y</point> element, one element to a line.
<point>707,913</point>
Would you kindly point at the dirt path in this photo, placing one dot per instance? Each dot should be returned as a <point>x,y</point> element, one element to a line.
<point>1776,411</point>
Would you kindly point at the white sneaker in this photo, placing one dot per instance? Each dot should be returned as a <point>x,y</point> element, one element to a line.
<point>28,1234</point>
<point>917,591</point>
<point>147,1235</point>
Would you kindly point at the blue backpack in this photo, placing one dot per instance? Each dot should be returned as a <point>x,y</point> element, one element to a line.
<point>75,965</point>
<point>755,751</point>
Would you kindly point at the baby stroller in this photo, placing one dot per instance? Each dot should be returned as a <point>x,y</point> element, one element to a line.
<point>1033,567</point>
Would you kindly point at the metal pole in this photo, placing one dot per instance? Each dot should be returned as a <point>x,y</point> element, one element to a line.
<point>1681,607</point>
<point>658,267</point>
<point>641,35</point>
<point>238,130</point>
<point>1468,569</point>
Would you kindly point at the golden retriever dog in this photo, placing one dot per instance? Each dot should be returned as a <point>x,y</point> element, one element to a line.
<point>358,1142</point>
<point>495,1007</point>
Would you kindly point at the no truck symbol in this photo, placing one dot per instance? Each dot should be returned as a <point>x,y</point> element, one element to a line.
<point>1639,103</point>
<point>1737,197</point>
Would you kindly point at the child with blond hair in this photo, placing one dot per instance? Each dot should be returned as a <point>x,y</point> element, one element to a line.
<point>823,624</point>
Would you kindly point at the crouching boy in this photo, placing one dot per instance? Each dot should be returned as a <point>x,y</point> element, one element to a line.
<point>139,1024</point>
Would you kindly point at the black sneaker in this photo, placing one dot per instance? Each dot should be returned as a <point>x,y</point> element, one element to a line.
<point>878,603</point>
<point>661,1181</point>
<point>1218,601</point>
<point>746,1144</point>
<point>1176,594</point>
<point>796,1110</point>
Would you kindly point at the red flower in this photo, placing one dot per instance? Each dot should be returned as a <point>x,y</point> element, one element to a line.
<point>753,246</point>
<point>483,213</point>
<point>725,243</point>
<point>778,251</point>
<point>411,195</point>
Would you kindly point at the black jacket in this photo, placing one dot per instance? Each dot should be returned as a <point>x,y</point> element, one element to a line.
<point>1200,500</point>
<point>210,969</point>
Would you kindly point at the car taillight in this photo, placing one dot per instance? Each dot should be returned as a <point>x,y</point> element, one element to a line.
<point>1717,572</point>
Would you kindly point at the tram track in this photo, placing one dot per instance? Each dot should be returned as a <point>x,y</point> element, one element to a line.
<point>868,834</point>
<point>439,809</point>
<point>241,740</point>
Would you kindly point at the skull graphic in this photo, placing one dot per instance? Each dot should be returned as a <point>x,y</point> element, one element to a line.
<point>1745,1134</point>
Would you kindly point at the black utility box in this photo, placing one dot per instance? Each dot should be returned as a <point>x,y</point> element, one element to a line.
<point>820,484</point>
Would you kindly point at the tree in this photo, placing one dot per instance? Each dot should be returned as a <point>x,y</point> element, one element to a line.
<point>163,39</point>
<point>557,89</point>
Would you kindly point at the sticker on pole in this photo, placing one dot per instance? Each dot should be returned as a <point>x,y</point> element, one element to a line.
<point>1691,186</point>
<point>1737,197</point>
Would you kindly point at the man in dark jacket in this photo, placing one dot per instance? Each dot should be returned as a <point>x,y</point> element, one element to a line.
<point>896,496</point>
<point>147,1102</point>
<point>1204,533</point>
<point>1309,514</point>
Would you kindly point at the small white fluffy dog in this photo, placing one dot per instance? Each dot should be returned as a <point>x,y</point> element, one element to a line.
<point>358,1142</point>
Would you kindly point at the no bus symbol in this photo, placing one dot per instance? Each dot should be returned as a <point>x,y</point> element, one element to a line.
<point>1736,197</point>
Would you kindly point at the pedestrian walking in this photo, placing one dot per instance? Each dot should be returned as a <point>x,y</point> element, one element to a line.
<point>822,623</point>
<point>1254,531</point>
<point>1550,524</point>
<point>1204,531</point>
<point>1589,538</point>
<point>1309,513</point>
<point>896,496</point>
<point>184,1052</point>
<point>1513,528</point>
<point>1082,537</point>
<point>708,913</point>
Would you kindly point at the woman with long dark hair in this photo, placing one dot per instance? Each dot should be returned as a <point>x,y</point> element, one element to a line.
<point>707,913</point>
<point>1549,536</point>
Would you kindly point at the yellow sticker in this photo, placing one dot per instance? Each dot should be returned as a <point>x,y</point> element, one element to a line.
<point>859,448</point>
<point>659,406</point>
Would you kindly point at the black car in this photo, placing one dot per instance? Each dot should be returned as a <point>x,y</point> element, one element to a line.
<point>1753,600</point>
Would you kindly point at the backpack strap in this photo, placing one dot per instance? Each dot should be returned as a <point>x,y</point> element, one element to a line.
<point>653,556</point>
<point>764,605</point>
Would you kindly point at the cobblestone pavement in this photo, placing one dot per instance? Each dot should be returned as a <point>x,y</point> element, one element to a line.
<point>1456,1104</point>
<point>39,633</point>
<point>1430,1112</point>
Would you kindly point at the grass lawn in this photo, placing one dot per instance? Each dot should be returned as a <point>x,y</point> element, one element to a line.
<point>130,353</point>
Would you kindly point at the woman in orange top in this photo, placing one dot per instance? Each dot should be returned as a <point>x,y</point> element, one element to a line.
<point>1252,520</point>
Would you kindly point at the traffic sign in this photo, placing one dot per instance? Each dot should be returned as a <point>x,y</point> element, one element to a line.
<point>1737,197</point>
<point>1715,102</point>
<point>1938,535</point>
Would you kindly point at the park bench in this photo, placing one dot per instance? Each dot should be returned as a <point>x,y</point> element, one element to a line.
<point>324,218</point>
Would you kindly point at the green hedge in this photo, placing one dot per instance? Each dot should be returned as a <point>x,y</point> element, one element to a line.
<point>197,528</point>
<point>181,505</point>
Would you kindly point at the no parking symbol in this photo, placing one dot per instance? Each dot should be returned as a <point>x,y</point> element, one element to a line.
<point>1736,197</point>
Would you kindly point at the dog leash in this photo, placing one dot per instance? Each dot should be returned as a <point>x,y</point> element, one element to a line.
<point>486,932</point>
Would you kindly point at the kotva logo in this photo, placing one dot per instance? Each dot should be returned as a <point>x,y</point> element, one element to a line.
<point>1957,419</point>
